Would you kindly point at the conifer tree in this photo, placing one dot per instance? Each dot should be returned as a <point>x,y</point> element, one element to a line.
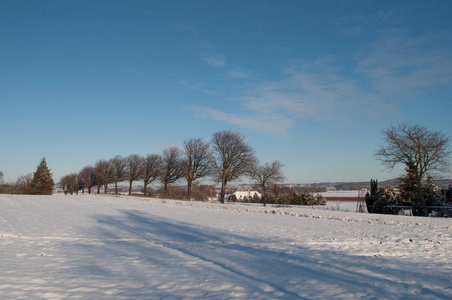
<point>409,182</point>
<point>42,183</point>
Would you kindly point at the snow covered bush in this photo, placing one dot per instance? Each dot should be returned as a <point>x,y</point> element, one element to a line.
<point>295,198</point>
<point>382,200</point>
<point>305,198</point>
<point>434,198</point>
<point>385,201</point>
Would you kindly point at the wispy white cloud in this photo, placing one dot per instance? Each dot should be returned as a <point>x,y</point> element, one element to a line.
<point>198,86</point>
<point>401,65</point>
<point>270,123</point>
<point>392,65</point>
<point>214,59</point>
<point>312,91</point>
<point>366,24</point>
<point>308,92</point>
<point>399,61</point>
<point>211,56</point>
<point>239,73</point>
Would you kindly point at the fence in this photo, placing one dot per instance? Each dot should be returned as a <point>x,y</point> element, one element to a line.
<point>444,211</point>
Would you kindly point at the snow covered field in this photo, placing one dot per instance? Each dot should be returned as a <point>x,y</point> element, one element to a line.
<point>99,247</point>
<point>344,193</point>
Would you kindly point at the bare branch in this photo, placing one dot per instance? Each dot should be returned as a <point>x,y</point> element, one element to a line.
<point>233,158</point>
<point>105,173</point>
<point>422,152</point>
<point>88,178</point>
<point>267,174</point>
<point>152,169</point>
<point>119,166</point>
<point>171,168</point>
<point>408,144</point>
<point>196,164</point>
<point>134,164</point>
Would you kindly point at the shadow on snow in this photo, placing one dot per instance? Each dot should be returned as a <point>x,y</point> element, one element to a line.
<point>158,257</point>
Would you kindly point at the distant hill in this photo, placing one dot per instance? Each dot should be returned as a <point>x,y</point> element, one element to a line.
<point>442,183</point>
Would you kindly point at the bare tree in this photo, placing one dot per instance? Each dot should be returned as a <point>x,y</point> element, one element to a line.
<point>98,170</point>
<point>119,167</point>
<point>196,164</point>
<point>233,158</point>
<point>418,148</point>
<point>3,186</point>
<point>134,168</point>
<point>171,167</point>
<point>69,183</point>
<point>64,184</point>
<point>267,174</point>
<point>24,184</point>
<point>202,192</point>
<point>152,167</point>
<point>88,178</point>
<point>104,171</point>
<point>74,183</point>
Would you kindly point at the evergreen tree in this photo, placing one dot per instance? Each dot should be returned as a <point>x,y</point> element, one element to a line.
<point>42,183</point>
<point>409,186</point>
<point>381,200</point>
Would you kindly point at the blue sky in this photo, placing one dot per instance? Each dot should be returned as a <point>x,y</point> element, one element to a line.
<point>310,83</point>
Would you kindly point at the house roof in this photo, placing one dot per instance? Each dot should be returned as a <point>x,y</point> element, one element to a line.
<point>243,194</point>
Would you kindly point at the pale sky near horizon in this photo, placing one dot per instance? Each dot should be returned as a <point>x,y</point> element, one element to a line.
<point>310,83</point>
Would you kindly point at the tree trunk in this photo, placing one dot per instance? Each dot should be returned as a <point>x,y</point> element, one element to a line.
<point>116,187</point>
<point>189,191</point>
<point>105,188</point>
<point>130,187</point>
<point>165,187</point>
<point>265,194</point>
<point>145,187</point>
<point>223,189</point>
<point>422,198</point>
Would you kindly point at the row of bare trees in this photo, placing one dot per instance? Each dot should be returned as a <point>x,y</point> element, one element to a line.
<point>225,159</point>
<point>113,171</point>
<point>23,185</point>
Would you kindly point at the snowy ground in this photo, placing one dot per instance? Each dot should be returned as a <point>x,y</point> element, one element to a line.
<point>98,247</point>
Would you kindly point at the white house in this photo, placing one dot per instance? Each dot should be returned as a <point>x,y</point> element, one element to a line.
<point>240,195</point>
